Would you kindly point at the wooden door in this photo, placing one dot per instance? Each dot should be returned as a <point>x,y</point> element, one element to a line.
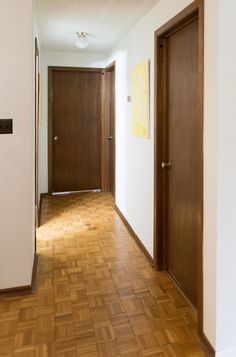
<point>109,132</point>
<point>76,133</point>
<point>183,150</point>
<point>112,132</point>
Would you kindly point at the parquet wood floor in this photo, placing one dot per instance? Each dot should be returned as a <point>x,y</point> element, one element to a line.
<point>97,294</point>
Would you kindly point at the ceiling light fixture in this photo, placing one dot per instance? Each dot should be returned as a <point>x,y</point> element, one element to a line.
<point>82,40</point>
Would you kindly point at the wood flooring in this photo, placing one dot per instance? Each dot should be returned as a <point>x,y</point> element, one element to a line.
<point>96,292</point>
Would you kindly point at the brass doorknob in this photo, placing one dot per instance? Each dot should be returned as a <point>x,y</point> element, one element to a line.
<point>166,164</point>
<point>55,138</point>
<point>109,137</point>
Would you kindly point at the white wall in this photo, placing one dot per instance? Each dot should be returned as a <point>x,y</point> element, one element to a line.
<point>226,262</point>
<point>210,167</point>
<point>16,150</point>
<point>63,59</point>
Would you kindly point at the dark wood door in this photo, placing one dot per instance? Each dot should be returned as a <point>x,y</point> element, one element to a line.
<point>183,150</point>
<point>112,132</point>
<point>76,134</point>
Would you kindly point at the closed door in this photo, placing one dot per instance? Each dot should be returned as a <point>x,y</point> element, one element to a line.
<point>109,132</point>
<point>183,153</point>
<point>112,133</point>
<point>76,134</point>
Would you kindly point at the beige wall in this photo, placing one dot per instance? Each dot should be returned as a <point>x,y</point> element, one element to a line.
<point>16,150</point>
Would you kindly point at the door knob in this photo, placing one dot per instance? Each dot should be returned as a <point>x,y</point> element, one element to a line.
<point>109,137</point>
<point>55,138</point>
<point>166,164</point>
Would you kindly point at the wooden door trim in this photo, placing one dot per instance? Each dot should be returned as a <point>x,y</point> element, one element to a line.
<point>189,13</point>
<point>75,69</point>
<point>110,67</point>
<point>36,107</point>
<point>52,69</point>
<point>105,128</point>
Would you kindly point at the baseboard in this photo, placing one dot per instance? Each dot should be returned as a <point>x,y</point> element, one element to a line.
<point>17,291</point>
<point>22,290</point>
<point>40,210</point>
<point>209,350</point>
<point>34,274</point>
<point>206,345</point>
<point>134,235</point>
<point>40,207</point>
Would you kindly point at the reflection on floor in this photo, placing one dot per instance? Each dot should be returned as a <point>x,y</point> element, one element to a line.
<point>97,294</point>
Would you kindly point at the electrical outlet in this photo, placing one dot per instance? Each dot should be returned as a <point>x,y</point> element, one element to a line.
<point>6,126</point>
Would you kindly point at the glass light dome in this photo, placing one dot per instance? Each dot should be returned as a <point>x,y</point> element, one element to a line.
<point>82,40</point>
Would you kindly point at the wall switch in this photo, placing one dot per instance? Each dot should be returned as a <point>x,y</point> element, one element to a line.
<point>6,126</point>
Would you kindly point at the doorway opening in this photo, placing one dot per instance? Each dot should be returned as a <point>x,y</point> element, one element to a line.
<point>178,220</point>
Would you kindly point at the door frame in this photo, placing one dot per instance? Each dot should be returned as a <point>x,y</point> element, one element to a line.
<point>195,9</point>
<point>36,114</point>
<point>106,130</point>
<point>52,69</point>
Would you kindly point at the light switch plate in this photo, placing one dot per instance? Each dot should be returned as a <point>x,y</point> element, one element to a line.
<point>6,126</point>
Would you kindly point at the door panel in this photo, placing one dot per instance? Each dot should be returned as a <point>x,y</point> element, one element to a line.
<point>112,133</point>
<point>184,151</point>
<point>76,113</point>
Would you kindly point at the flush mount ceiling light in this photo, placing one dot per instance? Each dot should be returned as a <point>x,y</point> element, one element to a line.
<point>82,40</point>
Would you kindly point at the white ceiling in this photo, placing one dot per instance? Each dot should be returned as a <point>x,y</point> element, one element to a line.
<point>106,21</point>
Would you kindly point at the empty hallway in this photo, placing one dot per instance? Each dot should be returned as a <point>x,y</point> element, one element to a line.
<point>117,178</point>
<point>96,293</point>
